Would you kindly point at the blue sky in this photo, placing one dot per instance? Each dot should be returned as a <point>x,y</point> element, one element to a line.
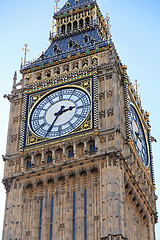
<point>135,27</point>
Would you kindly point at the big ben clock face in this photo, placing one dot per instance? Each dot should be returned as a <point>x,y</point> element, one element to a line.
<point>138,136</point>
<point>60,112</point>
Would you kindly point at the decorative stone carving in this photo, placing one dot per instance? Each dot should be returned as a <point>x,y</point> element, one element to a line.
<point>109,93</point>
<point>101,79</point>
<point>15,119</point>
<point>102,114</point>
<point>109,112</point>
<point>14,138</point>
<point>101,95</point>
<point>111,137</point>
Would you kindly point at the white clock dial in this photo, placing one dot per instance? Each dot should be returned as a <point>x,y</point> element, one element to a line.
<point>138,136</point>
<point>60,112</point>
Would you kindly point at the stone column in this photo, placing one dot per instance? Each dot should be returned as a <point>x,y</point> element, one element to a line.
<point>85,146</point>
<point>64,153</point>
<point>53,155</point>
<point>43,155</point>
<point>74,150</point>
<point>32,159</point>
<point>22,163</point>
<point>52,72</point>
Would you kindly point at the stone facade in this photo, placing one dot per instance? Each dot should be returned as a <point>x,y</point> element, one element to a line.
<point>90,185</point>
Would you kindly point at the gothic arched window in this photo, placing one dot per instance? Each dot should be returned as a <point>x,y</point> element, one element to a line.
<point>81,23</point>
<point>63,29</point>
<point>49,157</point>
<point>57,71</point>
<point>75,25</point>
<point>69,27</point>
<point>86,39</point>
<point>87,21</point>
<point>70,151</point>
<point>28,162</point>
<point>92,147</point>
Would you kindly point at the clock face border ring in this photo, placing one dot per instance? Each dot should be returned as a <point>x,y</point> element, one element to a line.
<point>41,99</point>
<point>147,163</point>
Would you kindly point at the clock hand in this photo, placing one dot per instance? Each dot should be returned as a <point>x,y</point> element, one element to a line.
<point>138,136</point>
<point>68,109</point>
<point>57,115</point>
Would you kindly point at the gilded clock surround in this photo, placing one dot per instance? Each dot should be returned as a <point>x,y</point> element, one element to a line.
<point>31,98</point>
<point>95,168</point>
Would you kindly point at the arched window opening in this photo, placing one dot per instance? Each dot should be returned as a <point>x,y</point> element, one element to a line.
<point>86,39</point>
<point>48,73</point>
<point>92,147</point>
<point>84,62</point>
<point>81,23</point>
<point>28,162</point>
<point>57,71</point>
<point>39,76</point>
<point>55,48</point>
<point>63,29</point>
<point>75,65</point>
<point>70,43</point>
<point>69,27</point>
<point>66,68</point>
<point>49,157</point>
<point>75,25</point>
<point>70,152</point>
<point>87,21</point>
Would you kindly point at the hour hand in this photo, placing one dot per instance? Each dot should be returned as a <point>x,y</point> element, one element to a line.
<point>68,109</point>
<point>60,111</point>
<point>138,136</point>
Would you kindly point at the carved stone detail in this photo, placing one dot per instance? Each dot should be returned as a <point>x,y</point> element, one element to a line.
<point>15,119</point>
<point>109,112</point>
<point>109,93</point>
<point>102,114</point>
<point>102,139</point>
<point>14,138</point>
<point>111,137</point>
<point>101,79</point>
<point>101,95</point>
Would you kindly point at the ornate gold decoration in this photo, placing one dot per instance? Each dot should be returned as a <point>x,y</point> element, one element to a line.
<point>32,139</point>
<point>35,98</point>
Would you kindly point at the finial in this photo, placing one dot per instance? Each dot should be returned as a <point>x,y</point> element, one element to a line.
<point>136,85</point>
<point>14,81</point>
<point>56,6</point>
<point>55,11</point>
<point>107,19</point>
<point>25,49</point>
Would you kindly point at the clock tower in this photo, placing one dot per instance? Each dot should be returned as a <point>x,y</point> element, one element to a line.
<point>78,162</point>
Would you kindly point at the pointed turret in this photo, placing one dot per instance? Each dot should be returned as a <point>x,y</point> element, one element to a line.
<point>14,81</point>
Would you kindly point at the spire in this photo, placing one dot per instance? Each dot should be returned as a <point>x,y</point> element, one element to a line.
<point>14,81</point>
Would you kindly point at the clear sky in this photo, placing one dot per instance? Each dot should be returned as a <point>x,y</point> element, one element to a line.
<point>136,34</point>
